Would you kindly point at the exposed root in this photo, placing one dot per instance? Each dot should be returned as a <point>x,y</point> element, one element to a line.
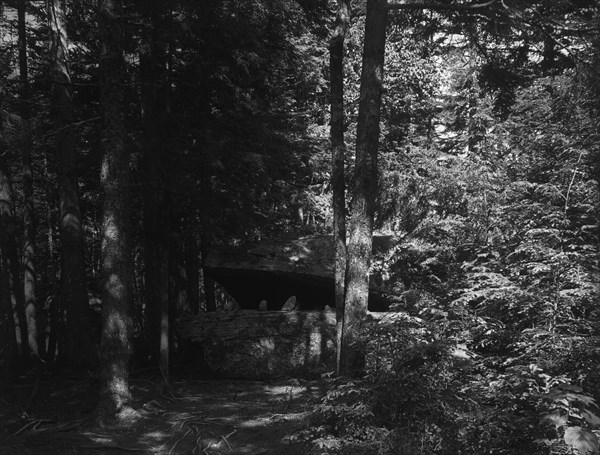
<point>33,424</point>
<point>115,447</point>
<point>225,439</point>
<point>174,445</point>
<point>172,400</point>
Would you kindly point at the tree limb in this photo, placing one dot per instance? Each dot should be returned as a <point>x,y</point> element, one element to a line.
<point>442,7</point>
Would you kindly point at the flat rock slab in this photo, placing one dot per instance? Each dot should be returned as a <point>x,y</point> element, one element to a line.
<point>309,255</point>
<point>274,270</point>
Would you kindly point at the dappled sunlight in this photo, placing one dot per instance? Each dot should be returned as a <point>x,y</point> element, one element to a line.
<point>116,325</point>
<point>97,438</point>
<point>153,436</point>
<point>115,286</point>
<point>71,222</point>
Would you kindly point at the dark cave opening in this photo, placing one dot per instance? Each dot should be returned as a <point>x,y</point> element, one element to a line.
<point>249,287</point>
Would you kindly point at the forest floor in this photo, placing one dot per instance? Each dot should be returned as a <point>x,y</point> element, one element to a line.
<point>192,416</point>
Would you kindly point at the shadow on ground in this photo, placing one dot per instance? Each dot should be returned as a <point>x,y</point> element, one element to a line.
<point>192,416</point>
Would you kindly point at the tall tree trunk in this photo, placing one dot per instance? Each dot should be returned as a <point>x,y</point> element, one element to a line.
<point>8,228</point>
<point>193,265</point>
<point>164,346</point>
<point>8,342</point>
<point>8,345</point>
<point>152,247</point>
<point>49,326</point>
<point>364,188</point>
<point>16,287</point>
<point>29,272</point>
<point>209,292</point>
<point>73,284</point>
<point>338,152</point>
<point>208,284</point>
<point>115,346</point>
<point>595,108</point>
<point>153,69</point>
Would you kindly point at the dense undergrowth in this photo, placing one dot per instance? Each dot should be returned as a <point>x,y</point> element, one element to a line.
<point>494,345</point>
<point>499,367</point>
<point>500,359</point>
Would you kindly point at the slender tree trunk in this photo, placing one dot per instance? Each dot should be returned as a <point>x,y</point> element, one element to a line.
<point>55,326</point>
<point>338,151</point>
<point>165,292</point>
<point>153,69</point>
<point>152,249</point>
<point>16,287</point>
<point>28,262</point>
<point>8,346</point>
<point>73,284</point>
<point>209,293</point>
<point>115,346</point>
<point>8,342</point>
<point>208,284</point>
<point>193,266</point>
<point>8,228</point>
<point>364,188</point>
<point>596,110</point>
<point>47,342</point>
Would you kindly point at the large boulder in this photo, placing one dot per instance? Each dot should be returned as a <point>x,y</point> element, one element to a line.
<point>263,344</point>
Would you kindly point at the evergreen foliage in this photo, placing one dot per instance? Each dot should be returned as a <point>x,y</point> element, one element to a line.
<point>488,186</point>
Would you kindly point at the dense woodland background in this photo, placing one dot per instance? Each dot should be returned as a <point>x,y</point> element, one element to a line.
<point>138,135</point>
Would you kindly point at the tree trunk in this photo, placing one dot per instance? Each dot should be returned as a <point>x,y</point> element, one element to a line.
<point>73,284</point>
<point>210,298</point>
<point>50,326</point>
<point>338,151</point>
<point>16,287</point>
<point>364,188</point>
<point>8,346</point>
<point>8,228</point>
<point>165,317</point>
<point>193,266</point>
<point>115,345</point>
<point>208,284</point>
<point>28,261</point>
<point>153,73</point>
<point>8,342</point>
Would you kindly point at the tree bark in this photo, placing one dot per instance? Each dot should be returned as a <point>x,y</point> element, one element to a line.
<point>193,266</point>
<point>338,152</point>
<point>28,257</point>
<point>364,188</point>
<point>115,347</point>
<point>165,320</point>
<point>8,345</point>
<point>50,327</point>
<point>153,73</point>
<point>8,342</point>
<point>73,284</point>
<point>8,238</point>
<point>208,283</point>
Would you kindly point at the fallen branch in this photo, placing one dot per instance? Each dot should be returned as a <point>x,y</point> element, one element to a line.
<point>150,406</point>
<point>168,398</point>
<point>225,439</point>
<point>114,447</point>
<point>174,445</point>
<point>24,427</point>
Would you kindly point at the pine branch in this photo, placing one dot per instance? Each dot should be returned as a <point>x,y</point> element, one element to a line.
<point>463,7</point>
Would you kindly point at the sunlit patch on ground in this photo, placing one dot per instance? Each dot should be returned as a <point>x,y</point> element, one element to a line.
<point>199,417</point>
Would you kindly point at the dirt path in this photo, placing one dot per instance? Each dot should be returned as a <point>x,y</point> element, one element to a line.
<point>192,417</point>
